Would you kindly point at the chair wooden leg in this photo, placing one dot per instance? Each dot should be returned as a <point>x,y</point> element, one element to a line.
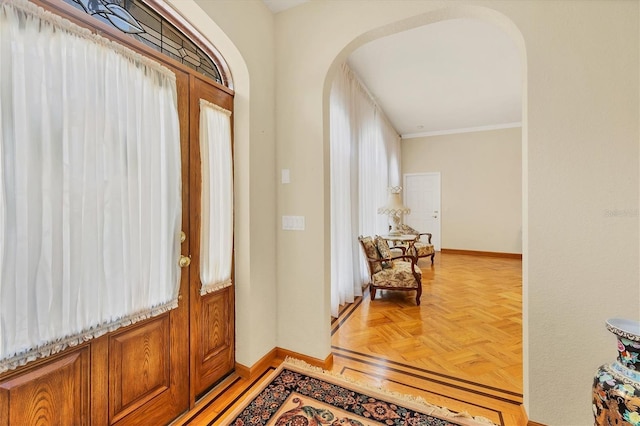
<point>432,256</point>
<point>373,292</point>
<point>418,295</point>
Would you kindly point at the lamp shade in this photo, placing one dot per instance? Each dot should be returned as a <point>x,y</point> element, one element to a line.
<point>394,208</point>
<point>394,204</point>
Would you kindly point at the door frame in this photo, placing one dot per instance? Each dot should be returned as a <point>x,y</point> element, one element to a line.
<point>437,233</point>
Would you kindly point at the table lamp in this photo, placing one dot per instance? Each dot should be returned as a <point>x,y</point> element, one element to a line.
<point>394,208</point>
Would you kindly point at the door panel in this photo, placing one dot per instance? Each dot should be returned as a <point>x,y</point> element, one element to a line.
<point>216,314</point>
<point>422,196</point>
<point>52,393</point>
<point>138,375</point>
<point>139,366</point>
<point>148,362</point>
<point>216,352</point>
<point>212,316</point>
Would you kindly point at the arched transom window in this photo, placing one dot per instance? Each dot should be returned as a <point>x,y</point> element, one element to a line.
<point>148,22</point>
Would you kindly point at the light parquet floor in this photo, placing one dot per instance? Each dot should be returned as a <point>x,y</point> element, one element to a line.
<point>462,348</point>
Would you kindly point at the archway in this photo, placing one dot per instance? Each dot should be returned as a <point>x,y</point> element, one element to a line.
<point>482,14</point>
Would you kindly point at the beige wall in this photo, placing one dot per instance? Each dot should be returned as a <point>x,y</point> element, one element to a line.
<point>481,186</point>
<point>580,162</point>
<point>243,33</point>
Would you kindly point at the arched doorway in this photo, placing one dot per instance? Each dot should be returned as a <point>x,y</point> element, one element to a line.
<point>472,13</point>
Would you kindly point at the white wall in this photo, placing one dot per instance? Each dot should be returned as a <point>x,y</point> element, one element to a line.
<point>580,163</point>
<point>481,186</point>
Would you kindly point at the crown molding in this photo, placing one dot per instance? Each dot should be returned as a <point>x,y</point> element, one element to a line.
<point>463,130</point>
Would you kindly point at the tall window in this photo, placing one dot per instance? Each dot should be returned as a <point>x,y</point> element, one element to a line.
<point>365,161</point>
<point>145,24</point>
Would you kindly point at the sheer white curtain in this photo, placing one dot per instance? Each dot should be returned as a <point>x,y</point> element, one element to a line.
<point>345,272</point>
<point>365,160</point>
<point>90,206</point>
<point>391,141</point>
<point>216,232</point>
<point>374,174</point>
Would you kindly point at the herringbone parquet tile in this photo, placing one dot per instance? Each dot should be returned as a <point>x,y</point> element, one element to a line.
<point>467,329</point>
<point>461,349</point>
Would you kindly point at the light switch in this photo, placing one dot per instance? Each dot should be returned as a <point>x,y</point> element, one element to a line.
<point>293,223</point>
<point>285,176</point>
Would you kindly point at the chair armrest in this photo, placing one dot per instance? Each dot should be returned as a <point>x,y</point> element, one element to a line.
<point>413,259</point>
<point>402,248</point>
<point>370,259</point>
<point>428,234</point>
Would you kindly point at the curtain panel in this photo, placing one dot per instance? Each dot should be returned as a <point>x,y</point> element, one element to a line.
<point>345,272</point>
<point>365,161</point>
<point>216,229</point>
<point>90,191</point>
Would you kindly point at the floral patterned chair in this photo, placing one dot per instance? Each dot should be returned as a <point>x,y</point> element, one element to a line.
<point>388,271</point>
<point>421,247</point>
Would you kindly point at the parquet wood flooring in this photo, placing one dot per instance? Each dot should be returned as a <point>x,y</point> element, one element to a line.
<point>462,348</point>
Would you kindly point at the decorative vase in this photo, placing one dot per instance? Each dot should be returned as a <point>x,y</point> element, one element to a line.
<point>616,386</point>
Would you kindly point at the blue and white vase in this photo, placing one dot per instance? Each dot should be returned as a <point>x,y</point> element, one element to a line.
<point>616,386</point>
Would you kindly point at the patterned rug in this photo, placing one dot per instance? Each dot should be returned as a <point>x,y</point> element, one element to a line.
<point>298,394</point>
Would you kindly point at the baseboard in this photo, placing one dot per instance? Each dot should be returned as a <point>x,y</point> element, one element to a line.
<point>325,364</point>
<point>525,418</point>
<point>256,369</point>
<point>274,354</point>
<point>482,253</point>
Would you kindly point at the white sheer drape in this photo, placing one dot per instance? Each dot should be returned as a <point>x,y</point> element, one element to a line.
<point>365,161</point>
<point>391,141</point>
<point>216,233</point>
<point>345,273</point>
<point>90,192</point>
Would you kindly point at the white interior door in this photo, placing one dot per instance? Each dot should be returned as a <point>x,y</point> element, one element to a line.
<point>422,196</point>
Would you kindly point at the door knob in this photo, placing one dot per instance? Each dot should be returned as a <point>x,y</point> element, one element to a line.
<point>184,261</point>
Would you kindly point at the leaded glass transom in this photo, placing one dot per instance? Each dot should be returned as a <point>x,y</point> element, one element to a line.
<point>143,23</point>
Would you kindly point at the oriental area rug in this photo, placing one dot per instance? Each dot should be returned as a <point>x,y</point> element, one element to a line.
<point>298,394</point>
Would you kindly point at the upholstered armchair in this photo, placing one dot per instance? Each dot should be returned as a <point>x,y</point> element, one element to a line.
<point>389,271</point>
<point>422,247</point>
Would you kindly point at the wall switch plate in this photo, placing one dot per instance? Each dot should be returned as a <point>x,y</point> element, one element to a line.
<point>293,223</point>
<point>285,178</point>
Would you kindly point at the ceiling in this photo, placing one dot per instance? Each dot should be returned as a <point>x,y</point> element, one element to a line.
<point>280,5</point>
<point>448,77</point>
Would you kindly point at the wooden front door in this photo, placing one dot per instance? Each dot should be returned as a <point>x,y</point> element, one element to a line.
<point>138,374</point>
<point>151,371</point>
<point>212,315</point>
